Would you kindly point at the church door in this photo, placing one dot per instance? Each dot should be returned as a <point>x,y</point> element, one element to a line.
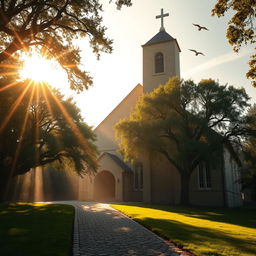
<point>104,186</point>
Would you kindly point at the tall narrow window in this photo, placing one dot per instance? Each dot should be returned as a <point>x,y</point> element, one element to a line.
<point>201,175</point>
<point>204,176</point>
<point>136,179</point>
<point>159,62</point>
<point>208,181</point>
<point>138,176</point>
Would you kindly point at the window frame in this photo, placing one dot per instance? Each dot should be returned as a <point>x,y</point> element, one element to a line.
<point>159,67</point>
<point>204,177</point>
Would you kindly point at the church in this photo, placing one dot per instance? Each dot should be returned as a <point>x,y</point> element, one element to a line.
<point>155,181</point>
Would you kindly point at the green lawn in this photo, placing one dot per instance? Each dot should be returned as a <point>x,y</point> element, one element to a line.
<point>29,229</point>
<point>202,231</point>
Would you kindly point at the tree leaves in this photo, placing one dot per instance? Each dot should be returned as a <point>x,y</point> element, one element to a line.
<point>241,27</point>
<point>51,26</point>
<point>184,121</point>
<point>43,129</point>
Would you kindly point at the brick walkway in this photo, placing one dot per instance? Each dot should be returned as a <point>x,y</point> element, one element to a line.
<point>103,231</point>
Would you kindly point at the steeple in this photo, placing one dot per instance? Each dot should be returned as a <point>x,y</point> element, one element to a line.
<point>160,58</point>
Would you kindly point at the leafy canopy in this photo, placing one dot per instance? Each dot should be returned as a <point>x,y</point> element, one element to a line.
<point>241,27</point>
<point>38,127</point>
<point>184,121</point>
<point>51,26</point>
<point>249,150</point>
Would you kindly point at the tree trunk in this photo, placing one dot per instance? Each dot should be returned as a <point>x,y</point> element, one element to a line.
<point>184,189</point>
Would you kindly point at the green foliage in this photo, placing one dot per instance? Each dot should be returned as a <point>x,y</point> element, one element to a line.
<point>36,229</point>
<point>51,27</point>
<point>184,119</point>
<point>185,122</point>
<point>249,150</point>
<point>38,127</point>
<point>241,27</point>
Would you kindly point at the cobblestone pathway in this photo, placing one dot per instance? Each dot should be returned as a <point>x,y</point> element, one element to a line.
<point>103,231</point>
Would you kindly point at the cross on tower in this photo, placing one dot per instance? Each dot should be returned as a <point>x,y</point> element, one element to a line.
<point>162,15</point>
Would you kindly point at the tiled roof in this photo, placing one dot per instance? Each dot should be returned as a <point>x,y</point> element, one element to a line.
<point>161,36</point>
<point>119,162</point>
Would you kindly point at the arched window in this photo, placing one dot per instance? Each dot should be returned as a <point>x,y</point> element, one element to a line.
<point>159,62</point>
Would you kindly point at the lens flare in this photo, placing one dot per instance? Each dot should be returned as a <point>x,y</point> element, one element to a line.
<point>40,69</point>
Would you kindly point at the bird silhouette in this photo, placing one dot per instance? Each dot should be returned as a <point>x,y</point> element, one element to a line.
<point>200,27</point>
<point>196,52</point>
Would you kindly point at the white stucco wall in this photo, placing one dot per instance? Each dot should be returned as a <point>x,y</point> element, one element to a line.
<point>232,177</point>
<point>105,130</point>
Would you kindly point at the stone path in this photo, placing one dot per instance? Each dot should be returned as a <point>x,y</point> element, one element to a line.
<point>103,231</point>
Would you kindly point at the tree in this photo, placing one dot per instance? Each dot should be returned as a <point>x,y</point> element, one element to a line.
<point>186,123</point>
<point>241,27</point>
<point>249,151</point>
<point>39,127</point>
<point>51,26</point>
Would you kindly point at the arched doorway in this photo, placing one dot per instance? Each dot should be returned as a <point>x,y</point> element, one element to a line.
<point>104,186</point>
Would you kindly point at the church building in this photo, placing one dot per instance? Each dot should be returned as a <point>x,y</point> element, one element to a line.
<point>155,181</point>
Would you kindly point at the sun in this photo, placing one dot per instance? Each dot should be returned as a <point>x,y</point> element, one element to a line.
<point>40,69</point>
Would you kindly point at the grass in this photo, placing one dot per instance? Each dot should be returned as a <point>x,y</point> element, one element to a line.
<point>202,231</point>
<point>29,229</point>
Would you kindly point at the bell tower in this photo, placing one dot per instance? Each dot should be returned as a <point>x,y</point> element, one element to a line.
<point>160,58</point>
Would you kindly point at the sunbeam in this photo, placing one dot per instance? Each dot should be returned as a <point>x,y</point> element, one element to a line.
<point>38,184</point>
<point>49,108</point>
<point>9,86</point>
<point>14,107</point>
<point>19,144</point>
<point>72,124</point>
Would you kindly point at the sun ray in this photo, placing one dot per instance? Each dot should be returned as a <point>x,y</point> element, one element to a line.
<point>14,107</point>
<point>8,73</point>
<point>72,124</point>
<point>38,184</point>
<point>48,105</point>
<point>37,132</point>
<point>9,86</point>
<point>8,66</point>
<point>13,70</point>
<point>17,152</point>
<point>23,129</point>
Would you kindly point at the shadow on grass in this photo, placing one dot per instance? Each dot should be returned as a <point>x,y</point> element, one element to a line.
<point>34,229</point>
<point>242,216</point>
<point>185,234</point>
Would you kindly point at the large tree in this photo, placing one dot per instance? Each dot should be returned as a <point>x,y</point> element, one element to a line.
<point>51,26</point>
<point>241,27</point>
<point>249,150</point>
<point>38,126</point>
<point>185,122</point>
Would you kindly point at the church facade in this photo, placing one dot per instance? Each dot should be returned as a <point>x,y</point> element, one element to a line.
<point>155,181</point>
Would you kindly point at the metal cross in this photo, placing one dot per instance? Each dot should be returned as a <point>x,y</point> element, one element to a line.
<point>162,15</point>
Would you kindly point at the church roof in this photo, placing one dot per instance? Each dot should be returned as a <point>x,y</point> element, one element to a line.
<point>119,162</point>
<point>160,37</point>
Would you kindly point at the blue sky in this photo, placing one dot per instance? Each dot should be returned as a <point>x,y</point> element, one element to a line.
<point>116,74</point>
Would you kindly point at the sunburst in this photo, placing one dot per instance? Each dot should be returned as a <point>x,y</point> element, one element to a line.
<point>40,69</point>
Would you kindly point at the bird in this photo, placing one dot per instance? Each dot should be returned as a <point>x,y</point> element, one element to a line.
<point>196,52</point>
<point>200,27</point>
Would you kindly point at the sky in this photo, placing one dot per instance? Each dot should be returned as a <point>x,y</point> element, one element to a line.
<point>116,74</point>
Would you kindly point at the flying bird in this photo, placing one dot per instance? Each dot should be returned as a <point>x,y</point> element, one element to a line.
<point>196,52</point>
<point>200,27</point>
